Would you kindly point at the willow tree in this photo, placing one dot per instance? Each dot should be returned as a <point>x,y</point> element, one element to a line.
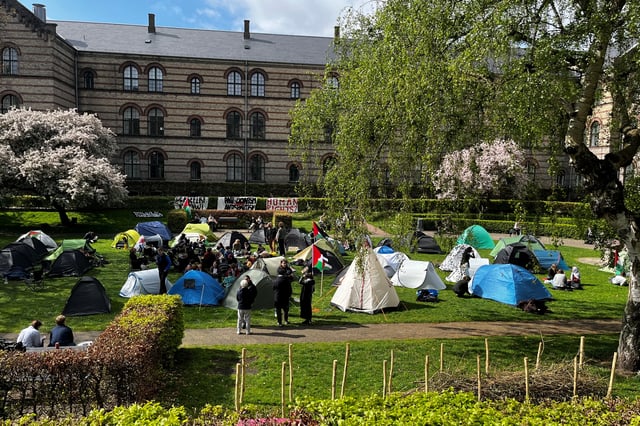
<point>419,79</point>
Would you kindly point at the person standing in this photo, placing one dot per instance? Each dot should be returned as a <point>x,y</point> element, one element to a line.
<point>164,265</point>
<point>280,234</point>
<point>245,296</point>
<point>308,286</point>
<point>30,337</point>
<point>282,292</point>
<point>61,334</point>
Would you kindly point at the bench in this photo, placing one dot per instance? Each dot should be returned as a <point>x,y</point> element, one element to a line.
<point>231,221</point>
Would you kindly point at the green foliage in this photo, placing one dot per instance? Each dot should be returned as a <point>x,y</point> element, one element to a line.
<point>177,220</point>
<point>150,413</point>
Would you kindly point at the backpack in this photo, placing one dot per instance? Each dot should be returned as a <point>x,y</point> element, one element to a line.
<point>425,295</point>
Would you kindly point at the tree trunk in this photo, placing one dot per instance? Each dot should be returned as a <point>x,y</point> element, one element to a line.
<point>62,212</point>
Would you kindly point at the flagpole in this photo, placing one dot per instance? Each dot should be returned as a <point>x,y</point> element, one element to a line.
<point>321,281</point>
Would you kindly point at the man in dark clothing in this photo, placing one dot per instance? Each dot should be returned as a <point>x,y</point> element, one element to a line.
<point>461,287</point>
<point>164,265</point>
<point>282,291</point>
<point>245,296</point>
<point>61,334</point>
<point>306,294</point>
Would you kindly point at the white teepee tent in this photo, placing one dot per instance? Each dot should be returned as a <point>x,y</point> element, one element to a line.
<point>366,289</point>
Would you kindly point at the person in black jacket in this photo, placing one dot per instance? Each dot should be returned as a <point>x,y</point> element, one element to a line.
<point>282,292</point>
<point>61,334</point>
<point>245,296</point>
<point>308,285</point>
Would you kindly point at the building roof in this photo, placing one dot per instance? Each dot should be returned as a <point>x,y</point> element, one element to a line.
<point>195,43</point>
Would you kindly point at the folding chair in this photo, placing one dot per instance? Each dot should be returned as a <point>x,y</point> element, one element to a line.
<point>35,280</point>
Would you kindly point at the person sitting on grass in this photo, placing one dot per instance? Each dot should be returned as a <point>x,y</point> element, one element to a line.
<point>619,279</point>
<point>559,281</point>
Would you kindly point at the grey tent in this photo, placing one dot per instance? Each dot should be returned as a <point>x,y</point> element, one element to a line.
<point>258,237</point>
<point>517,254</point>
<point>297,239</point>
<point>88,297</point>
<point>227,239</point>
<point>263,283</point>
<point>17,260</point>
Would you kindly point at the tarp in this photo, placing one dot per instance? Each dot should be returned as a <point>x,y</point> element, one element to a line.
<point>530,241</point>
<point>264,285</point>
<point>476,236</point>
<point>49,242</point>
<point>198,288</point>
<point>548,257</point>
<point>143,282</point>
<point>269,265</point>
<point>153,228</point>
<point>334,261</point>
<point>507,283</point>
<point>88,297</point>
<point>417,274</point>
<point>365,289</point>
<point>69,263</point>
<point>126,239</point>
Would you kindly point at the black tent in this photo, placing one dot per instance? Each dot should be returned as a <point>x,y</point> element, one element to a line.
<point>426,243</point>
<point>228,238</point>
<point>258,237</point>
<point>88,297</point>
<point>70,263</point>
<point>38,246</point>
<point>517,254</point>
<point>17,259</point>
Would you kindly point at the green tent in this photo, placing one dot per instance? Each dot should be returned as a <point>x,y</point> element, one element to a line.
<point>477,237</point>
<point>530,241</point>
<point>79,244</point>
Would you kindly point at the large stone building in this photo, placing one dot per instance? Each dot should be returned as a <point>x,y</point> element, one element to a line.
<point>196,107</point>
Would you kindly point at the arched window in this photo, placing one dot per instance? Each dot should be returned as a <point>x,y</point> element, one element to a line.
<point>234,168</point>
<point>328,164</point>
<point>295,90</point>
<point>256,168</point>
<point>294,173</point>
<point>8,102</point>
<point>257,84</point>
<point>234,84</point>
<point>9,61</point>
<point>195,86</point>
<point>131,122</point>
<point>156,122</point>
<point>257,126</point>
<point>88,78</point>
<point>156,165</point>
<point>131,161</point>
<point>594,135</point>
<point>560,179</point>
<point>531,170</point>
<point>130,76</point>
<point>195,171</point>
<point>195,126</point>
<point>234,125</point>
<point>155,79</point>
<point>332,81</point>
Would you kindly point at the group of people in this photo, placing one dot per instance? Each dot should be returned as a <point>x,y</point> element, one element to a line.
<point>558,278</point>
<point>60,335</point>
<point>282,292</point>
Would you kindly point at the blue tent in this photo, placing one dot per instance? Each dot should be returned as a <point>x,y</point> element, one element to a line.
<point>198,288</point>
<point>547,257</point>
<point>149,229</point>
<point>507,283</point>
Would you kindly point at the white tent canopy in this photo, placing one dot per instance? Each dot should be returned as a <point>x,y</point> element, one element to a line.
<point>366,289</point>
<point>417,274</point>
<point>391,261</point>
<point>143,282</point>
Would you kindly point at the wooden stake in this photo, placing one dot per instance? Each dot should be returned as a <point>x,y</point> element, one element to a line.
<point>344,371</point>
<point>390,381</point>
<point>290,372</point>
<point>242,371</point>
<point>333,379</point>
<point>575,376</point>
<point>581,352</point>
<point>284,366</point>
<point>237,390</point>
<point>479,373</point>
<point>384,377</point>
<point>486,356</point>
<point>613,372</point>
<point>526,379</point>
<point>441,357</point>
<point>426,373</point>
<point>540,346</point>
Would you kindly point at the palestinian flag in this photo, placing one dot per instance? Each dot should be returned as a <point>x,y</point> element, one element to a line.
<point>317,258</point>
<point>318,232</point>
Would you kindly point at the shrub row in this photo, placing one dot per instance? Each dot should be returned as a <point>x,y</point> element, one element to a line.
<point>127,363</point>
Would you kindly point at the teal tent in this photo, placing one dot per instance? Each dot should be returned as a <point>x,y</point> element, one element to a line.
<point>477,237</point>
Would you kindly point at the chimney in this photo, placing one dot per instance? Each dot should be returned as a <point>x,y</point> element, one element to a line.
<point>247,34</point>
<point>40,11</point>
<point>336,33</point>
<point>152,23</point>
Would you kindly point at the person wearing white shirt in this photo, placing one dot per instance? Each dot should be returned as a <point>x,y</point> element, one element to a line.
<point>559,280</point>
<point>619,279</point>
<point>30,337</point>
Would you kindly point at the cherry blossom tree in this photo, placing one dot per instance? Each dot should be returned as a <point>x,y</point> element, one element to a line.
<point>62,156</point>
<point>481,171</point>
